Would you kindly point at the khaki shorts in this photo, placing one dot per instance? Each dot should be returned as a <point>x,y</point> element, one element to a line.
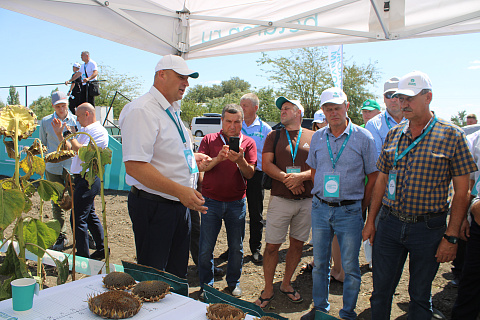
<point>283,213</point>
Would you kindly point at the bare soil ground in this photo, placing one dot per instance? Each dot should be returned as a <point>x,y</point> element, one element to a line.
<point>121,243</point>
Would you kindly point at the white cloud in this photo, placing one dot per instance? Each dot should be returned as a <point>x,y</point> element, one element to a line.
<point>474,65</point>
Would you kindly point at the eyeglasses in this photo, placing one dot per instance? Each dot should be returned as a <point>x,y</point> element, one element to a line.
<point>389,95</point>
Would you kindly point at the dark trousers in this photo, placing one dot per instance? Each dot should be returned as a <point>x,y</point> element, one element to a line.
<point>195,236</point>
<point>162,233</point>
<point>85,97</point>
<point>255,194</point>
<point>459,259</point>
<point>74,101</point>
<point>467,305</point>
<point>85,216</point>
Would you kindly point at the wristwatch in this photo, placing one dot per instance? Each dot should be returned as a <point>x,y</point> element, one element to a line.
<point>451,239</point>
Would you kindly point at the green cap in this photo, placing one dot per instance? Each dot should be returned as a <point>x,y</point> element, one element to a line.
<point>370,104</point>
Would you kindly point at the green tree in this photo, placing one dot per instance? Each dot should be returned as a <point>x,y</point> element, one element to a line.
<point>13,97</point>
<point>267,110</point>
<point>128,86</point>
<point>233,85</point>
<point>305,74</point>
<point>191,109</point>
<point>460,119</point>
<point>2,104</point>
<point>42,107</point>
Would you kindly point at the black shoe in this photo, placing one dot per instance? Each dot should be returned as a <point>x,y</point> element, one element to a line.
<point>218,272</point>
<point>257,257</point>
<point>224,256</point>
<point>91,242</point>
<point>60,244</point>
<point>309,316</point>
<point>98,255</point>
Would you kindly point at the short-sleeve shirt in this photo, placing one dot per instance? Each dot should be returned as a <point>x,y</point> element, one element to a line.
<point>284,160</point>
<point>424,174</point>
<point>90,66</point>
<point>474,145</point>
<point>224,182</point>
<point>379,128</point>
<point>258,131</point>
<point>99,135</point>
<point>355,163</point>
<point>149,135</point>
<point>50,140</point>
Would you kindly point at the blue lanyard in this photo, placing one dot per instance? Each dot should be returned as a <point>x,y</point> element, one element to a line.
<point>294,153</point>
<point>414,143</point>
<point>253,134</point>
<point>388,123</point>
<point>177,124</point>
<point>341,149</point>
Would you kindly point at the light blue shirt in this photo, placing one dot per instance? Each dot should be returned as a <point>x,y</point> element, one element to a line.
<point>49,139</point>
<point>357,160</point>
<point>258,131</point>
<point>378,128</point>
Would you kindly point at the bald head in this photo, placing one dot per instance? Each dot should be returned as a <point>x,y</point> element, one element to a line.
<point>85,114</point>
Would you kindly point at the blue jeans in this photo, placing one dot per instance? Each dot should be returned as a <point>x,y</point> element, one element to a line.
<point>395,239</point>
<point>347,223</point>
<point>233,213</point>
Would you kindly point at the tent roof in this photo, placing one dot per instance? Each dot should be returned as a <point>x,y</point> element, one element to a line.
<point>206,28</point>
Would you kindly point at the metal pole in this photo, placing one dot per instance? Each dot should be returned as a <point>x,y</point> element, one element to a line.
<point>26,95</point>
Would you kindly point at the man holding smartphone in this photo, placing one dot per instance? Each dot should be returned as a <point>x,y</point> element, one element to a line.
<point>224,190</point>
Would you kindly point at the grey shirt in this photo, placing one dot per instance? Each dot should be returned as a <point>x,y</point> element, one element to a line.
<point>356,161</point>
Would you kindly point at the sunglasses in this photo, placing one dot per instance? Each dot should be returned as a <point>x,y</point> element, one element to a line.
<point>389,95</point>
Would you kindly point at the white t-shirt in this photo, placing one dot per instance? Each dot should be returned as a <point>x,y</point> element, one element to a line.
<point>99,135</point>
<point>150,135</point>
<point>91,66</point>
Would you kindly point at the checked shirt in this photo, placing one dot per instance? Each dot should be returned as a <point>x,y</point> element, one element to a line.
<point>424,174</point>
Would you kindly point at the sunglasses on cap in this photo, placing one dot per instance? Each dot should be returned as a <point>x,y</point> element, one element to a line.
<point>389,94</point>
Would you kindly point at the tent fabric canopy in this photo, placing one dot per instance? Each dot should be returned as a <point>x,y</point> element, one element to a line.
<point>207,28</point>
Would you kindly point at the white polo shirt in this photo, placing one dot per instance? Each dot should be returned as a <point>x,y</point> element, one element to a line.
<point>150,135</point>
<point>99,135</point>
<point>90,66</point>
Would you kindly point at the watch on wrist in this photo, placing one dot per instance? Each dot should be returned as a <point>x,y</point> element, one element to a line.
<point>451,239</point>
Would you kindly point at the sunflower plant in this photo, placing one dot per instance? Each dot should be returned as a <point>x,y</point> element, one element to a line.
<point>29,231</point>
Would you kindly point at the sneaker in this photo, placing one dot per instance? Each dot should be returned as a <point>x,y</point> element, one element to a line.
<point>257,257</point>
<point>60,244</point>
<point>235,291</point>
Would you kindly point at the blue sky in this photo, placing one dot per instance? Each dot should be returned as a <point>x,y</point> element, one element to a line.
<point>35,52</point>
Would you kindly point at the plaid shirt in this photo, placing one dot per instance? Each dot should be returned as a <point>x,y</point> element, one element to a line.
<point>424,174</point>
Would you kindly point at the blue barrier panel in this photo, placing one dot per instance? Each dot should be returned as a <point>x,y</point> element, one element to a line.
<point>114,172</point>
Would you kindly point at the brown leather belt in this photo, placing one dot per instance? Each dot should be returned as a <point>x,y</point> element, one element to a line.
<point>412,218</point>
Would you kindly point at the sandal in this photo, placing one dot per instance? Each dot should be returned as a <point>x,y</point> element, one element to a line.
<point>293,293</point>
<point>262,300</point>
<point>307,268</point>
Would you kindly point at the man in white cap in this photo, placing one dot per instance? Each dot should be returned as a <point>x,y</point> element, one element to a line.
<point>74,92</point>
<point>57,172</point>
<point>393,115</point>
<point>162,169</point>
<point>88,72</point>
<point>290,197</point>
<point>340,198</point>
<point>319,120</point>
<point>420,158</point>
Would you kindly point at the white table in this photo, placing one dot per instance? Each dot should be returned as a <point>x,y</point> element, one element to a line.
<point>69,301</point>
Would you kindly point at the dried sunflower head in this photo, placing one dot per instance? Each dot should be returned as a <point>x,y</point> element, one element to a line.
<point>221,311</point>
<point>59,156</point>
<point>114,305</point>
<point>9,145</point>
<point>151,291</point>
<point>27,121</point>
<point>34,149</point>
<point>118,281</point>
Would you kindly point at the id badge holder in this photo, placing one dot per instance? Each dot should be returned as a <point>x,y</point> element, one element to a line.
<point>192,164</point>
<point>331,185</point>
<point>476,188</point>
<point>392,184</point>
<point>293,169</point>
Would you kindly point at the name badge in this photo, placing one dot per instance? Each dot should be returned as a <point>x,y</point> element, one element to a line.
<point>331,185</point>
<point>476,188</point>
<point>192,164</point>
<point>293,169</point>
<point>392,184</point>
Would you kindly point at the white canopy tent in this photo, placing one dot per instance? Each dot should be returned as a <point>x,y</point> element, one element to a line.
<point>206,28</point>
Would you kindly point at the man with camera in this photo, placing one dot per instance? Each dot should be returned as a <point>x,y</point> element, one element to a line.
<point>224,188</point>
<point>290,197</point>
<point>57,172</point>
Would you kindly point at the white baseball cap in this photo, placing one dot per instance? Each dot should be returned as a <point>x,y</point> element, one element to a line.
<point>333,95</point>
<point>281,100</point>
<point>391,85</point>
<point>76,65</point>
<point>177,64</point>
<point>412,83</point>
<point>319,117</point>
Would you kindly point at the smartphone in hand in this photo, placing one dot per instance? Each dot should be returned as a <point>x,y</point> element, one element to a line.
<point>234,143</point>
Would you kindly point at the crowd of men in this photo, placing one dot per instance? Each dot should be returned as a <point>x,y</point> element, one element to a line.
<point>387,183</point>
